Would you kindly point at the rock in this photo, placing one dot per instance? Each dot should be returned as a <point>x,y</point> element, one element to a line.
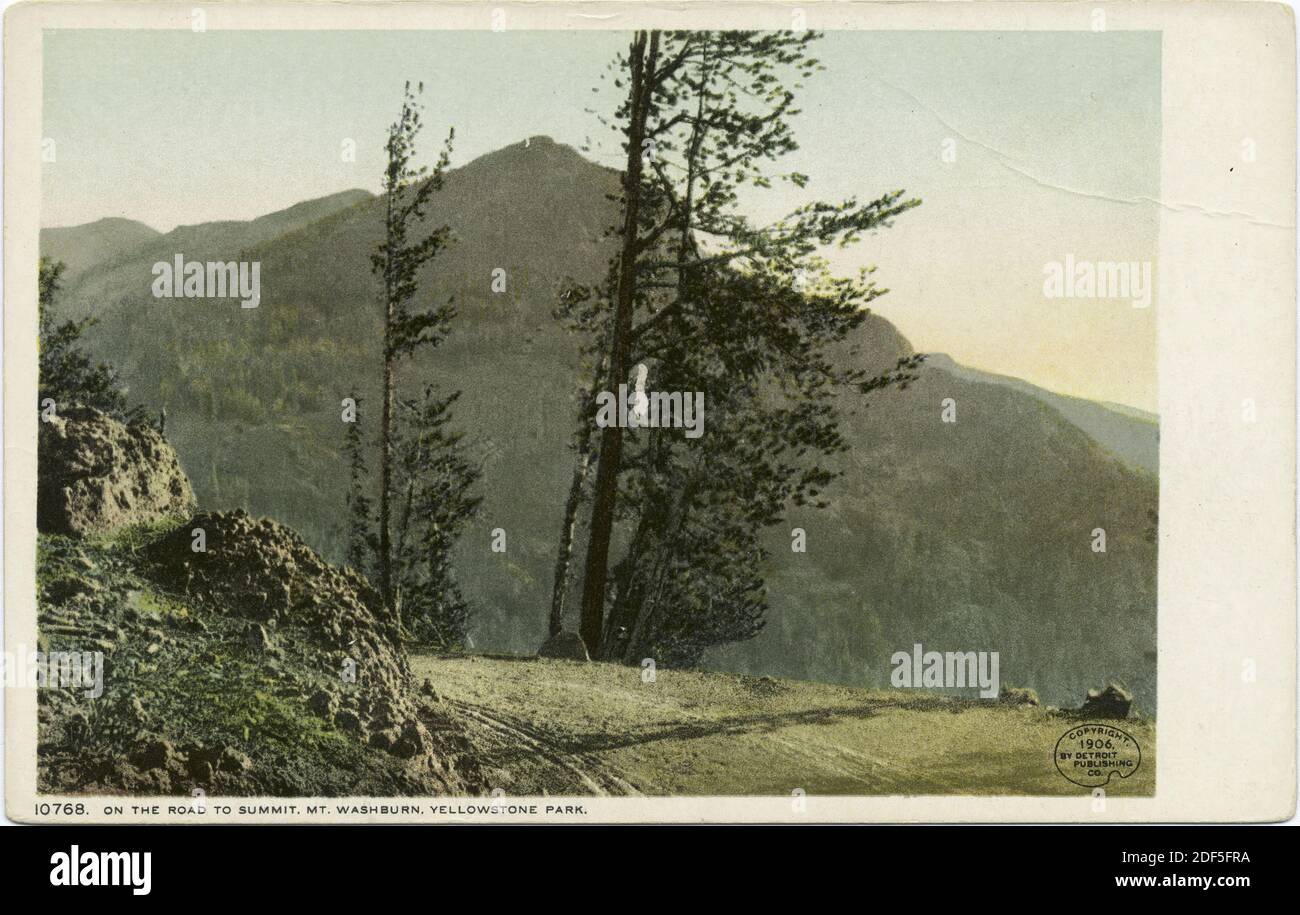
<point>200,769</point>
<point>258,638</point>
<point>154,754</point>
<point>159,782</point>
<point>427,690</point>
<point>254,569</point>
<point>136,714</point>
<point>382,713</point>
<point>761,686</point>
<point>323,704</point>
<point>385,739</point>
<point>65,589</point>
<point>1112,702</point>
<point>413,741</point>
<point>347,720</point>
<point>97,476</point>
<point>1018,695</point>
<point>567,646</point>
<point>232,760</point>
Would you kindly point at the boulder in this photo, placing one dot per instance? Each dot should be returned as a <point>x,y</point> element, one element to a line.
<point>257,637</point>
<point>154,754</point>
<point>324,704</point>
<point>567,646</point>
<point>200,769</point>
<point>348,720</point>
<point>232,760</point>
<point>414,740</point>
<point>1112,702</point>
<point>97,476</point>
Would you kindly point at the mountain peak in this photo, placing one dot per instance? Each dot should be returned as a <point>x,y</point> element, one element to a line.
<point>530,157</point>
<point>82,246</point>
<point>107,223</point>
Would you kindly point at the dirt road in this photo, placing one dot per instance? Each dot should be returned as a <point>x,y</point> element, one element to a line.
<point>566,728</point>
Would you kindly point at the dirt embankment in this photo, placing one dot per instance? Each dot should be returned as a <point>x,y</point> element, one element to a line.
<point>235,659</point>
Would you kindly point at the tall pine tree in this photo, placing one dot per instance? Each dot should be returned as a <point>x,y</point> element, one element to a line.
<point>705,118</point>
<point>435,501</point>
<point>397,260</point>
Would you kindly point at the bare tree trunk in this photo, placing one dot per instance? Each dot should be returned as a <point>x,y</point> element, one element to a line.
<point>405,524</point>
<point>642,62</point>
<point>569,526</point>
<point>385,487</point>
<point>629,590</point>
<point>564,558</point>
<point>386,435</point>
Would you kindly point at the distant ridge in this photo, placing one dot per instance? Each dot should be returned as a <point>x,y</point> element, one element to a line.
<point>125,267</point>
<point>93,243</point>
<point>1130,434</point>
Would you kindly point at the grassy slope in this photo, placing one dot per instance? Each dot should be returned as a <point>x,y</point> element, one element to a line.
<point>699,733</point>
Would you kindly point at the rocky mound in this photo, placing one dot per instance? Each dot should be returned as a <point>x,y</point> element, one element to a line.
<point>259,569</point>
<point>249,666</point>
<point>98,476</point>
<point>262,571</point>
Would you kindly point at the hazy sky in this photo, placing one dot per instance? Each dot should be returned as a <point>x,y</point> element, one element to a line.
<point>1056,138</point>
